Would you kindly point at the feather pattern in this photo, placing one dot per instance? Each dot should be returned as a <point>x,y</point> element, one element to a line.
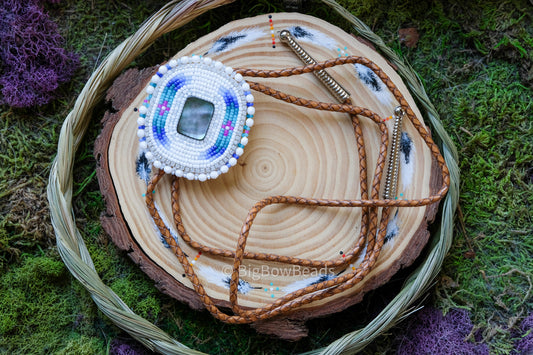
<point>223,280</point>
<point>168,225</point>
<point>306,34</point>
<point>143,170</point>
<point>235,39</point>
<point>297,285</point>
<point>407,152</point>
<point>374,83</point>
<point>142,167</point>
<point>392,228</point>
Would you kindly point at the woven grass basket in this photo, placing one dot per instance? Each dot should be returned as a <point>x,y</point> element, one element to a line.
<point>74,251</point>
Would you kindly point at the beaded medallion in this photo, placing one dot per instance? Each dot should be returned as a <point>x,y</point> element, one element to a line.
<point>196,118</point>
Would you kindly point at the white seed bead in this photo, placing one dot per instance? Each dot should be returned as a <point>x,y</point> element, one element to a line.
<point>140,133</point>
<point>196,169</point>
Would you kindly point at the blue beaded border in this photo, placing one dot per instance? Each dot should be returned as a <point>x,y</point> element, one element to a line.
<point>227,134</point>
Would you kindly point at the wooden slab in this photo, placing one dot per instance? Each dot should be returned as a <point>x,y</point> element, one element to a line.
<point>291,151</point>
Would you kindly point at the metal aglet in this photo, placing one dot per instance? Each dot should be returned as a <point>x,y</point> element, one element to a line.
<point>331,84</point>
<point>391,181</point>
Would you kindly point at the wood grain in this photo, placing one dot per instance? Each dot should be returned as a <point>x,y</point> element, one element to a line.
<point>292,151</point>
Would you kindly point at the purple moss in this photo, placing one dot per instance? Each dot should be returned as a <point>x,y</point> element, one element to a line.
<point>524,345</point>
<point>431,333</point>
<point>33,62</point>
<point>127,347</point>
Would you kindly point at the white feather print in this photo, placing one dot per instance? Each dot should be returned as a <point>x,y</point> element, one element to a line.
<point>310,35</point>
<point>360,258</point>
<point>143,167</point>
<point>297,285</point>
<point>393,229</point>
<point>169,226</point>
<point>221,279</point>
<point>374,83</point>
<point>235,39</point>
<point>407,160</point>
<point>211,275</point>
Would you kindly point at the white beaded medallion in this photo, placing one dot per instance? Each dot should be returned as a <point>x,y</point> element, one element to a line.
<point>196,118</point>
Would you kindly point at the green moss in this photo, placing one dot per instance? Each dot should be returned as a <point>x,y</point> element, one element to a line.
<point>38,308</point>
<point>25,149</point>
<point>490,117</point>
<point>139,294</point>
<point>27,289</point>
<point>82,345</point>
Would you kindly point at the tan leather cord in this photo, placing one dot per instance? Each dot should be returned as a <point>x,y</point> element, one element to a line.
<point>349,255</point>
<point>372,232</point>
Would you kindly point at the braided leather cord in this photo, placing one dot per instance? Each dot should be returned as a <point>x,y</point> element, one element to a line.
<point>373,228</point>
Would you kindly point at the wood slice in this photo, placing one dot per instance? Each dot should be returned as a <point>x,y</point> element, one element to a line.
<point>291,151</point>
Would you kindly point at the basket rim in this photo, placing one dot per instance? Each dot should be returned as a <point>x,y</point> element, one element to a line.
<point>73,250</point>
